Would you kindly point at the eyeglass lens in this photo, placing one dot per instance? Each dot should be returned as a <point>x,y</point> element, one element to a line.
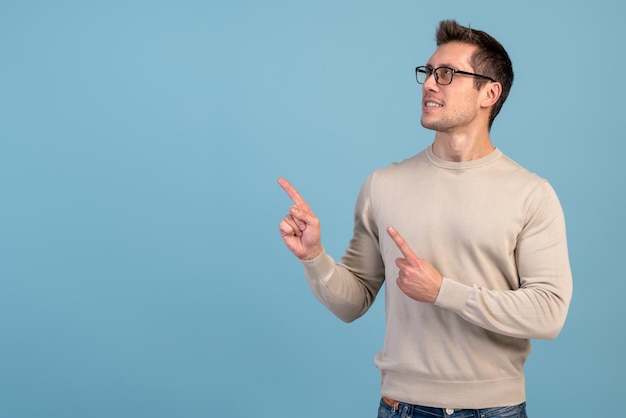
<point>443,75</point>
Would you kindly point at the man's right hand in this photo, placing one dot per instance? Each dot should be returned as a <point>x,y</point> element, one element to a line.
<point>300,229</point>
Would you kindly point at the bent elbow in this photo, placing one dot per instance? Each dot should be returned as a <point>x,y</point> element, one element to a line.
<point>549,334</point>
<point>348,315</point>
<point>554,327</point>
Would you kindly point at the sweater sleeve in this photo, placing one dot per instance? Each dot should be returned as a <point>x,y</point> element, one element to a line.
<point>348,288</point>
<point>538,308</point>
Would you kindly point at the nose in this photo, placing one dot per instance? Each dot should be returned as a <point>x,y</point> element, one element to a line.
<point>430,83</point>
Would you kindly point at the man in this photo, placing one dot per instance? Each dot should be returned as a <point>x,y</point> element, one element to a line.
<point>472,248</point>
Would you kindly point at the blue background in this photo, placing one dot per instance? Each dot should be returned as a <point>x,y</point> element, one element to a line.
<point>141,269</point>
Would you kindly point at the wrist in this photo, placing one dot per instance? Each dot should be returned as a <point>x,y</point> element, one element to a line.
<point>313,254</point>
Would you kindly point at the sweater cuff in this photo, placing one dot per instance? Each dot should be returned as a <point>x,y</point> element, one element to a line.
<point>320,268</point>
<point>453,295</point>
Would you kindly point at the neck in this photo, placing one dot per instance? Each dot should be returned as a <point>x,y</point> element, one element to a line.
<point>461,148</point>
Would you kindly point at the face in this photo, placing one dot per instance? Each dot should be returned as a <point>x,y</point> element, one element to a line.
<point>453,107</point>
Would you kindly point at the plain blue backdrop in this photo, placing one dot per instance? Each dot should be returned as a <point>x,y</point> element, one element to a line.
<point>141,269</point>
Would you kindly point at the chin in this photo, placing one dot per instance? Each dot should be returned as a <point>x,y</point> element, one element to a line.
<point>429,125</point>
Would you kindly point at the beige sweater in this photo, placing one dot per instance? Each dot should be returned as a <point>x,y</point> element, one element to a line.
<point>496,233</point>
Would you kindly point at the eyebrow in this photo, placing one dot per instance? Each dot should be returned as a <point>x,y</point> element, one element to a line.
<point>454,67</point>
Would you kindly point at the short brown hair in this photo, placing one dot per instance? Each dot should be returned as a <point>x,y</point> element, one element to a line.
<point>490,59</point>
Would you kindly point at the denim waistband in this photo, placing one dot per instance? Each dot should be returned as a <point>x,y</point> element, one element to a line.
<point>411,410</point>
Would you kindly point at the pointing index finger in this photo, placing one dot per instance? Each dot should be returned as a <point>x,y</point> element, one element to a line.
<point>292,192</point>
<point>404,247</point>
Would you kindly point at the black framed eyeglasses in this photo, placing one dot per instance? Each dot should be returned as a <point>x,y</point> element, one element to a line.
<point>443,75</point>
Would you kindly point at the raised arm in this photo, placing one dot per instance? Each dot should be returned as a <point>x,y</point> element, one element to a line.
<point>347,288</point>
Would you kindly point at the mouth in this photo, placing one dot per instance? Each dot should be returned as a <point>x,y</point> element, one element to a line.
<point>432,104</point>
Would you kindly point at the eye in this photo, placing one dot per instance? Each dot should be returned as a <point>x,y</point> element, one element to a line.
<point>445,74</point>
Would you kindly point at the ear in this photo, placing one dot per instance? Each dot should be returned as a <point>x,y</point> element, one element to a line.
<point>491,93</point>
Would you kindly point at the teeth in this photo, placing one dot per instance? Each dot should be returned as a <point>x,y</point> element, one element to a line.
<point>431,104</point>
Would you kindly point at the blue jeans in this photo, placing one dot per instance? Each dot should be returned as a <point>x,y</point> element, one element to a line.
<point>392,409</point>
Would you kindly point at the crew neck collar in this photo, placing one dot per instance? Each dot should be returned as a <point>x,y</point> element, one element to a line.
<point>461,165</point>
